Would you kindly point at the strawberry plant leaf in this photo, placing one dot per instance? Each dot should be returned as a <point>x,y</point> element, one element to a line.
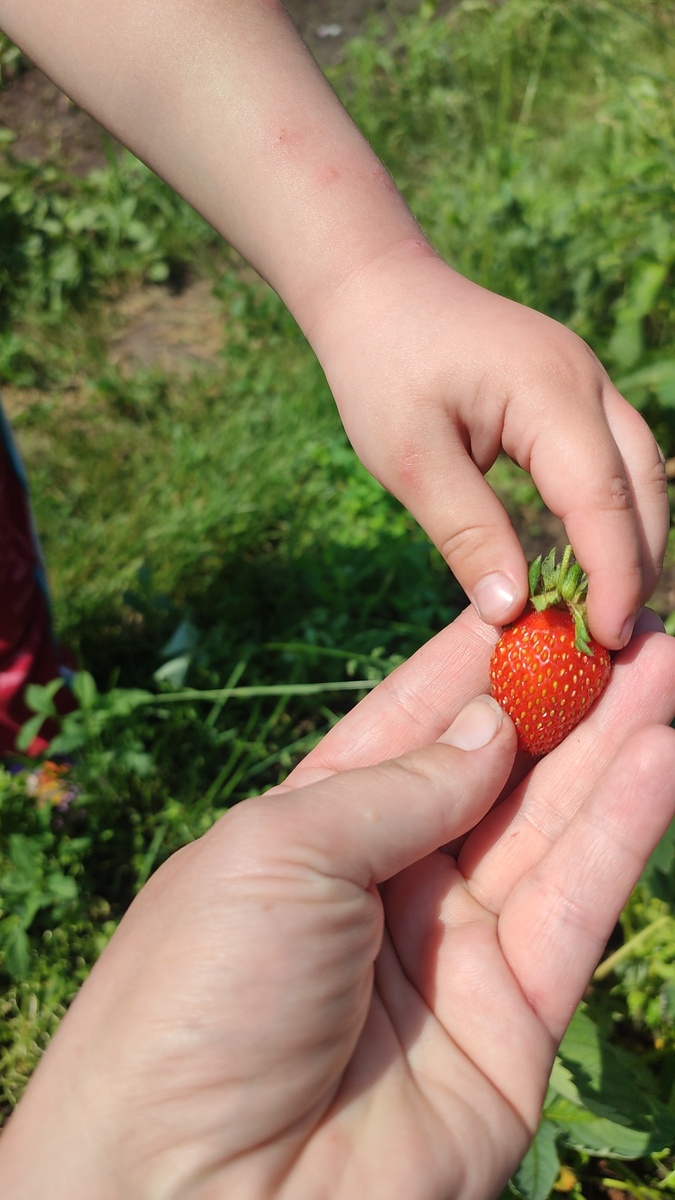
<point>659,874</point>
<point>539,1169</point>
<point>598,1103</point>
<point>590,1132</point>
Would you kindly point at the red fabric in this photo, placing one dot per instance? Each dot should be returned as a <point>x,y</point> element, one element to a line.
<point>28,653</point>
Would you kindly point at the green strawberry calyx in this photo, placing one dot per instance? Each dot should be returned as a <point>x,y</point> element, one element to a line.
<point>562,584</point>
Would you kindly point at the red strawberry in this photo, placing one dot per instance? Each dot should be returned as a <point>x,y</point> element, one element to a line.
<point>547,670</point>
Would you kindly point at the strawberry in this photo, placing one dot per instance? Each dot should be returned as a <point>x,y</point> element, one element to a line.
<point>546,669</point>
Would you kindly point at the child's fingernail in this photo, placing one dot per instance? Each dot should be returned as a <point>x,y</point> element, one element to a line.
<point>475,726</point>
<point>493,596</point>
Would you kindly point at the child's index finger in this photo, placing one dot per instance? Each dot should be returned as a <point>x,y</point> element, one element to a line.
<point>606,481</point>
<point>607,544</point>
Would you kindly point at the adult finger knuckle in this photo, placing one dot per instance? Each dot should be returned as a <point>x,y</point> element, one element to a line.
<point>425,765</point>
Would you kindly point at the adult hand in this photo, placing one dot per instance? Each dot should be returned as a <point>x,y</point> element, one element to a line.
<point>316,999</point>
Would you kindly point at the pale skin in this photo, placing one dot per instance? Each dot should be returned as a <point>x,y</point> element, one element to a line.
<point>356,986</point>
<point>431,373</point>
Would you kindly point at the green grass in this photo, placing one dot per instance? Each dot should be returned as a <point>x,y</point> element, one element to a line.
<point>210,528</point>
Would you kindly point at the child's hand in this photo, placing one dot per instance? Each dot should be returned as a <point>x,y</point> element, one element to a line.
<point>433,375</point>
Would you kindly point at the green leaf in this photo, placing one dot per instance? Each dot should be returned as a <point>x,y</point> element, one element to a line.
<point>174,671</point>
<point>84,689</point>
<point>62,888</point>
<point>29,731</point>
<point>591,1133</point>
<point>627,341</point>
<point>24,854</point>
<point>158,272</point>
<point>40,697</point>
<point>183,639</point>
<point>16,948</point>
<point>657,378</point>
<point>667,997</point>
<point>79,219</point>
<point>539,1169</point>
<point>70,739</point>
<point>601,1099</point>
<point>65,267</point>
<point>138,763</point>
<point>659,873</point>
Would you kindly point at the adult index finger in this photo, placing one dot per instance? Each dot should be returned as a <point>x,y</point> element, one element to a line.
<point>411,707</point>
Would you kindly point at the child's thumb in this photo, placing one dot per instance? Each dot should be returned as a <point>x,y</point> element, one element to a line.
<point>468,524</point>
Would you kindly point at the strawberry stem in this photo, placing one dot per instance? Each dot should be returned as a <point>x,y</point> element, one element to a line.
<point>562,585</point>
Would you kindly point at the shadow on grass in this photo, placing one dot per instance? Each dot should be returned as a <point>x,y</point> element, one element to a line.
<point>156,779</point>
<point>390,598</point>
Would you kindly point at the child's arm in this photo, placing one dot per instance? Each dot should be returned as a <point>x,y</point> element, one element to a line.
<point>431,373</point>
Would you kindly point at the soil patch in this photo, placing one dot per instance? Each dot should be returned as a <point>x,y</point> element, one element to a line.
<point>48,126</point>
<point>177,332</point>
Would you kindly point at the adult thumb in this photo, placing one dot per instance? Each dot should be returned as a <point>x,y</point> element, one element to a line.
<point>366,825</point>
